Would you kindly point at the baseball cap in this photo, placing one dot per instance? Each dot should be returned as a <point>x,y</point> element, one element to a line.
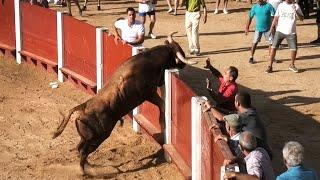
<point>233,120</point>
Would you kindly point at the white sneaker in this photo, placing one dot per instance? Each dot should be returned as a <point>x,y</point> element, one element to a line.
<point>225,11</point>
<point>216,11</point>
<point>152,36</point>
<point>170,10</point>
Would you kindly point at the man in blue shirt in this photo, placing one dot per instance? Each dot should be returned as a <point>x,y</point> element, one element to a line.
<point>293,157</point>
<point>264,13</point>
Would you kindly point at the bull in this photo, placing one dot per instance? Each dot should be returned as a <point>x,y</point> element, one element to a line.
<point>133,83</point>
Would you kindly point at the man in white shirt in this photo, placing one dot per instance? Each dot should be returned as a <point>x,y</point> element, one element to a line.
<point>132,31</point>
<point>285,24</point>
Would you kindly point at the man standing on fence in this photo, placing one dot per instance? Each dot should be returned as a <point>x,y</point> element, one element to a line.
<point>132,31</point>
<point>192,23</point>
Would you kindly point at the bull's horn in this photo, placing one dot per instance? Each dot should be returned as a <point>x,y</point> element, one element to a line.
<point>170,36</point>
<point>179,55</point>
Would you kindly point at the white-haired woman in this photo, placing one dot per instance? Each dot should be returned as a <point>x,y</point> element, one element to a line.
<point>293,153</point>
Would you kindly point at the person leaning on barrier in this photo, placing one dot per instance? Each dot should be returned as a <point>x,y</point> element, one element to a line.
<point>293,153</point>
<point>132,31</point>
<point>228,87</point>
<point>257,160</point>
<point>233,125</point>
<point>250,119</point>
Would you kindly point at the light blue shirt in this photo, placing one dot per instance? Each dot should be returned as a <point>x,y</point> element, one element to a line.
<point>298,173</point>
<point>263,14</point>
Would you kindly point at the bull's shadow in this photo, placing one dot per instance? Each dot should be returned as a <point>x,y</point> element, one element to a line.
<point>282,121</point>
<point>152,160</point>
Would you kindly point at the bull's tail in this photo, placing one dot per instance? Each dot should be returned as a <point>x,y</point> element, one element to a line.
<point>66,119</point>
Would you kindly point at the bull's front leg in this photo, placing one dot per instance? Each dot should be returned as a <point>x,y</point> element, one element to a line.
<point>155,99</point>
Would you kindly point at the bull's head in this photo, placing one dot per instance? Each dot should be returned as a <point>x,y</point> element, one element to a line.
<point>180,59</point>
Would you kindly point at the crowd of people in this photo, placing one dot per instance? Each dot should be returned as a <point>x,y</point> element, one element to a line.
<point>245,132</point>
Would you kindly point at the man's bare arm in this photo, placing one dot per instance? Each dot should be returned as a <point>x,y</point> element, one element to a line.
<point>139,40</point>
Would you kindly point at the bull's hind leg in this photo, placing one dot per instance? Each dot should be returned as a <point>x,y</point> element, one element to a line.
<point>86,135</point>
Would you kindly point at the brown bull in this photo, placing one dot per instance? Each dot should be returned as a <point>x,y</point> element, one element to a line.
<point>133,83</point>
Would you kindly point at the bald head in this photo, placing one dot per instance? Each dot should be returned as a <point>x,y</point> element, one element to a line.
<point>248,141</point>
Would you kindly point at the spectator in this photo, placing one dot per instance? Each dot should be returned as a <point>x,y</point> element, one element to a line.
<point>192,23</point>
<point>175,10</point>
<point>285,24</point>
<point>148,7</point>
<point>132,31</point>
<point>233,126</point>
<point>275,3</point>
<point>225,5</point>
<point>293,153</point>
<point>264,13</point>
<point>250,119</point>
<point>318,25</point>
<point>257,160</point>
<point>228,86</point>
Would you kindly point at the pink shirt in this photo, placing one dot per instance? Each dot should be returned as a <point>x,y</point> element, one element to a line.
<point>228,92</point>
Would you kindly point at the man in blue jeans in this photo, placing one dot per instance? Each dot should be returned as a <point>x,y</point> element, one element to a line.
<point>264,13</point>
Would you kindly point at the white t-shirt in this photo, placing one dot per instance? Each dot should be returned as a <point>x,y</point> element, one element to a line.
<point>146,7</point>
<point>275,3</point>
<point>128,33</point>
<point>287,18</point>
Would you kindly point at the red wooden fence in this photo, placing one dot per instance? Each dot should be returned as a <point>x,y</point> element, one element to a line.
<point>113,55</point>
<point>80,53</point>
<point>39,40</point>
<point>181,118</point>
<point>7,28</point>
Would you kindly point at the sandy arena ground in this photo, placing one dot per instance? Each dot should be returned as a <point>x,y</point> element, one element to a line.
<point>289,103</point>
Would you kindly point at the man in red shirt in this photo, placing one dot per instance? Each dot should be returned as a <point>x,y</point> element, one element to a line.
<point>228,87</point>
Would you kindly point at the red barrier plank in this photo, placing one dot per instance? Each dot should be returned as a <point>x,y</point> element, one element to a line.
<point>7,25</point>
<point>181,118</point>
<point>151,112</point>
<point>206,150</point>
<point>114,55</point>
<point>39,32</point>
<point>79,48</point>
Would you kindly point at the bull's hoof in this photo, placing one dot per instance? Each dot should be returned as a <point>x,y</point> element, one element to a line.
<point>98,7</point>
<point>84,8</point>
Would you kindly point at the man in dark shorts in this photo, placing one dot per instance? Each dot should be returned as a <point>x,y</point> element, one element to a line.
<point>148,7</point>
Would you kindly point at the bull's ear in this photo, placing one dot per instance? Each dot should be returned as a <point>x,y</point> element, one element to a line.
<point>166,42</point>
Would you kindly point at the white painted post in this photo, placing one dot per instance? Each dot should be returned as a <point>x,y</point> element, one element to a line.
<point>168,100</point>
<point>135,125</point>
<point>60,45</point>
<point>99,56</point>
<point>17,19</point>
<point>196,136</point>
